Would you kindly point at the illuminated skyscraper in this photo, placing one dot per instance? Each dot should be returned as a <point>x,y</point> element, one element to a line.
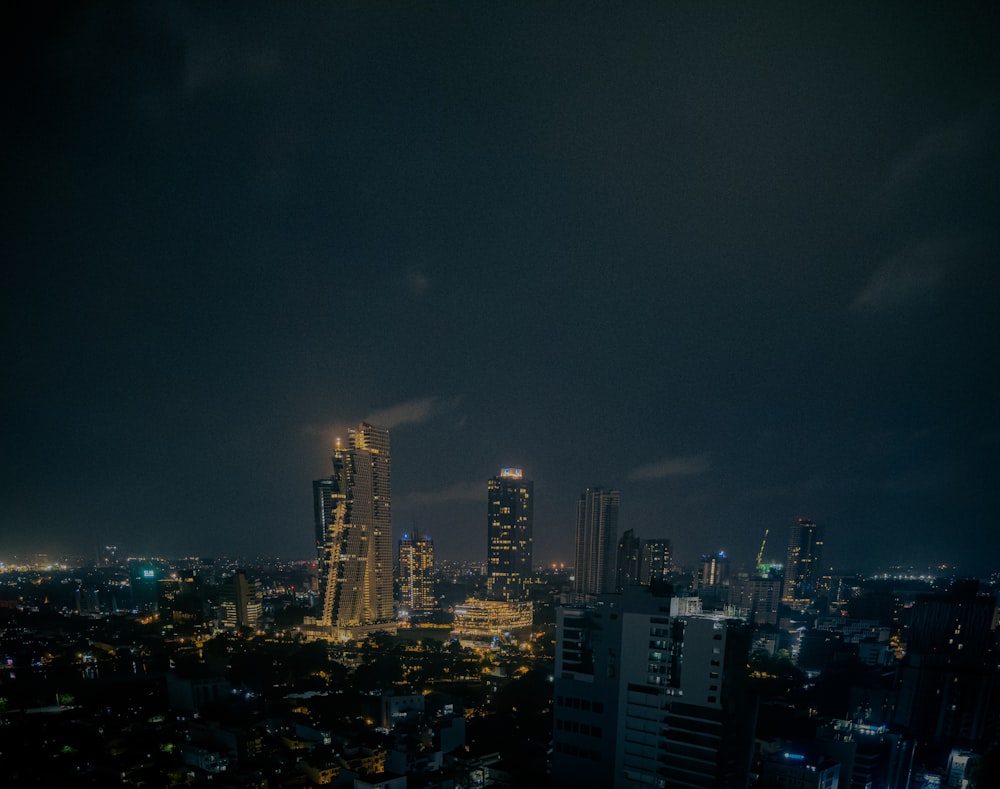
<point>509,535</point>
<point>596,541</point>
<point>353,513</point>
<point>416,575</point>
<point>803,569</point>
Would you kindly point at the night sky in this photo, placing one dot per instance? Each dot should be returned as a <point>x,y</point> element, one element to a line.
<point>738,260</point>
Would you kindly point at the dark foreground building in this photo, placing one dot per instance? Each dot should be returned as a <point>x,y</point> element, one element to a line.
<point>649,695</point>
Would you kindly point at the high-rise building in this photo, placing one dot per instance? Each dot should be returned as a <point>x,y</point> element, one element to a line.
<point>629,569</point>
<point>597,541</point>
<point>713,580</point>
<point>353,515</point>
<point>179,599</point>
<point>948,683</point>
<point>242,602</point>
<point>714,570</point>
<point>803,568</point>
<point>657,561</point>
<point>758,594</point>
<point>510,517</point>
<point>649,694</point>
<point>416,575</point>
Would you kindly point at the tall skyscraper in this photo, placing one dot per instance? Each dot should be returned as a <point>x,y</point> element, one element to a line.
<point>353,514</point>
<point>596,541</point>
<point>657,562</point>
<point>647,694</point>
<point>416,575</point>
<point>629,570</point>
<point>510,517</point>
<point>803,568</point>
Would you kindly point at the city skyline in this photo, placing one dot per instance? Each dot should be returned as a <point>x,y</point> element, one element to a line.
<point>737,263</point>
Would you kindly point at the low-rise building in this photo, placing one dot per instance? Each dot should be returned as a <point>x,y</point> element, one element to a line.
<point>486,623</point>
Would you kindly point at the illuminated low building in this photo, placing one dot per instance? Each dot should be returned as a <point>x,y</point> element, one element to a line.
<point>319,772</point>
<point>485,623</point>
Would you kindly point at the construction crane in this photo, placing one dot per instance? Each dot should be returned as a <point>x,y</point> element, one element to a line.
<point>760,553</point>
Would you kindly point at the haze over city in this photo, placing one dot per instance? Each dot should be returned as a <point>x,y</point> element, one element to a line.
<point>737,262</point>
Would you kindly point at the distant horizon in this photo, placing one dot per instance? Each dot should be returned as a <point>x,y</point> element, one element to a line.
<point>900,570</point>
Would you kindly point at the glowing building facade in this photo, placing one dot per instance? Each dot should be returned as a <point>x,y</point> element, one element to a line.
<point>803,569</point>
<point>485,623</point>
<point>510,517</point>
<point>353,515</point>
<point>416,575</point>
<point>242,602</point>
